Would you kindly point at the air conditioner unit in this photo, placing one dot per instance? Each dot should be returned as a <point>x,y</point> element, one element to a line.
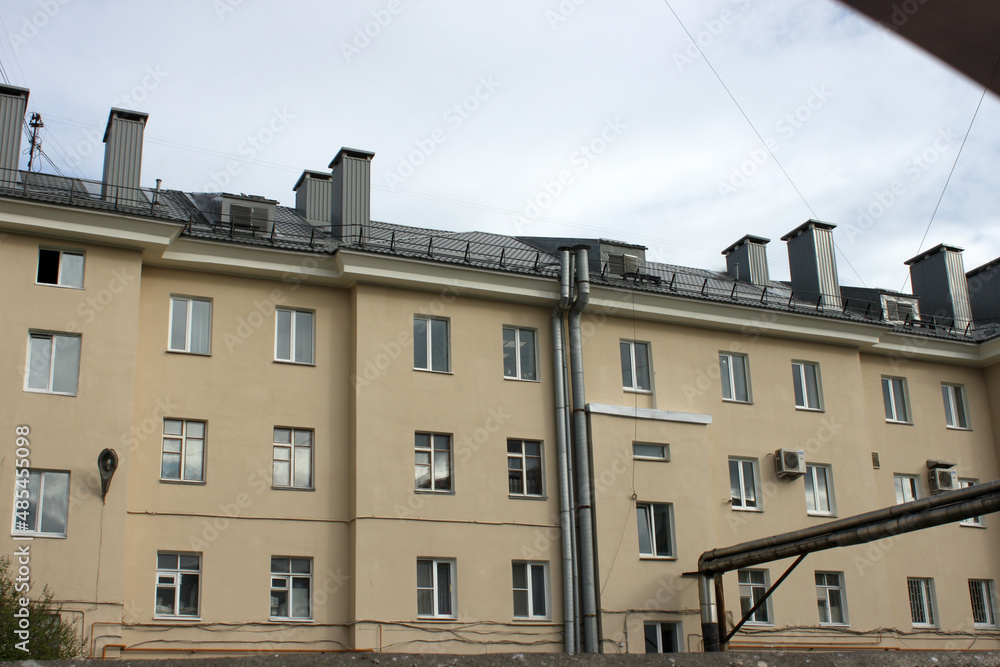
<point>789,463</point>
<point>943,479</point>
<point>623,265</point>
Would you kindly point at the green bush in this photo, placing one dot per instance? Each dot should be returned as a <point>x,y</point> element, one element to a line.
<point>50,637</point>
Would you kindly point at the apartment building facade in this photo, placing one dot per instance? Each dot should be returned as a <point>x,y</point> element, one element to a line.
<point>334,433</point>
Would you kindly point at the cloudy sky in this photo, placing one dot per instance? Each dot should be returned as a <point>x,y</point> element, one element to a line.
<point>540,117</point>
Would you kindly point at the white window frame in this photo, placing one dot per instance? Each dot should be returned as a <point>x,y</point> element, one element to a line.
<point>435,585</point>
<point>59,273</point>
<point>751,587</point>
<point>985,590</point>
<point>974,521</point>
<point>823,597</point>
<point>809,394</point>
<point>189,301</point>
<point>54,337</point>
<point>728,373</point>
<point>742,503</point>
<point>921,594</point>
<point>638,447</point>
<point>293,351</point>
<point>177,574</point>
<point>812,479</point>
<point>896,395</point>
<point>636,385</point>
<point>183,437</point>
<point>429,342</point>
<point>434,454</point>
<point>951,408</point>
<point>286,580</point>
<point>520,372</point>
<point>295,453</point>
<point>906,485</point>
<point>531,592</point>
<point>25,492</point>
<point>645,517</point>
<point>661,628</point>
<point>522,458</point>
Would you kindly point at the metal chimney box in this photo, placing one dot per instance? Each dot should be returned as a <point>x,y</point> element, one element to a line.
<point>314,197</point>
<point>352,190</point>
<point>746,260</point>
<point>13,102</point>
<point>937,277</point>
<point>123,157</point>
<point>984,293</point>
<point>813,264</point>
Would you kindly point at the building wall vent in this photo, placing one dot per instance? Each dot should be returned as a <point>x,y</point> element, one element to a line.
<point>938,280</point>
<point>123,157</point>
<point>13,102</point>
<point>900,311</point>
<point>247,212</point>
<point>623,264</point>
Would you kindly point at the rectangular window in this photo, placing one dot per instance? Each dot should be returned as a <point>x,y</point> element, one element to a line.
<point>531,599</point>
<point>956,413</point>
<point>819,489</point>
<point>972,520</point>
<point>190,325</point>
<point>894,398</point>
<point>635,366</point>
<point>656,529</point>
<point>435,588</point>
<point>735,372</point>
<point>663,637</point>
<point>907,488</point>
<point>430,344</point>
<point>183,451</point>
<point>432,471</point>
<point>650,451</point>
<point>519,354</point>
<point>293,452</point>
<point>524,467</point>
<point>53,363</point>
<point>743,483</point>
<point>984,608</point>
<point>753,585</point>
<point>830,598</point>
<point>41,502</point>
<point>60,267</point>
<point>922,602</point>
<point>177,584</point>
<point>291,588</point>
<point>806,381</point>
<point>293,337</point>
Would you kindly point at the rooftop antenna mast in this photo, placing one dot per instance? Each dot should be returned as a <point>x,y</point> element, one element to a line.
<point>36,144</point>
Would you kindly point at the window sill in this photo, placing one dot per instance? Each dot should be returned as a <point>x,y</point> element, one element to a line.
<point>58,285</point>
<point>925,627</point>
<point>525,496</point>
<point>532,619</point>
<point>973,525</point>
<point>507,377</point>
<point>822,515</point>
<point>292,488</point>
<point>177,618</point>
<point>806,409</point>
<point>632,390</point>
<point>282,619</point>
<point>748,509</point>
<point>190,482</point>
<point>295,363</point>
<point>959,428</point>
<point>651,458</point>
<point>895,421</point>
<point>51,536</point>
<point>50,393</point>
<point>438,619</point>
<point>190,354</point>
<point>651,557</point>
<point>835,625</point>
<point>736,400</point>
<point>442,492</point>
<point>759,624</point>
<point>430,370</point>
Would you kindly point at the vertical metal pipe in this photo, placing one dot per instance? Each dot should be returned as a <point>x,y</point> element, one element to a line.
<point>584,495</point>
<point>709,614</point>
<point>562,444</point>
<point>720,609</point>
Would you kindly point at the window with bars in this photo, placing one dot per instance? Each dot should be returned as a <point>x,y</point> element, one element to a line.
<point>922,610</point>
<point>982,593</point>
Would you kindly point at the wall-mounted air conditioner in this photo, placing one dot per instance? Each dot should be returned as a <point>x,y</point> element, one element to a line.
<point>942,479</point>
<point>789,463</point>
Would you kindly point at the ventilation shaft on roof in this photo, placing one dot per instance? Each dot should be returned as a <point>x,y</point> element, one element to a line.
<point>812,263</point>
<point>314,197</point>
<point>746,260</point>
<point>123,157</point>
<point>937,277</point>
<point>984,292</point>
<point>13,101</point>
<point>351,204</point>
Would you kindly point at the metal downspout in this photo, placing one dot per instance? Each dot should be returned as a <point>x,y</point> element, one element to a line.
<point>584,496</point>
<point>562,444</point>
